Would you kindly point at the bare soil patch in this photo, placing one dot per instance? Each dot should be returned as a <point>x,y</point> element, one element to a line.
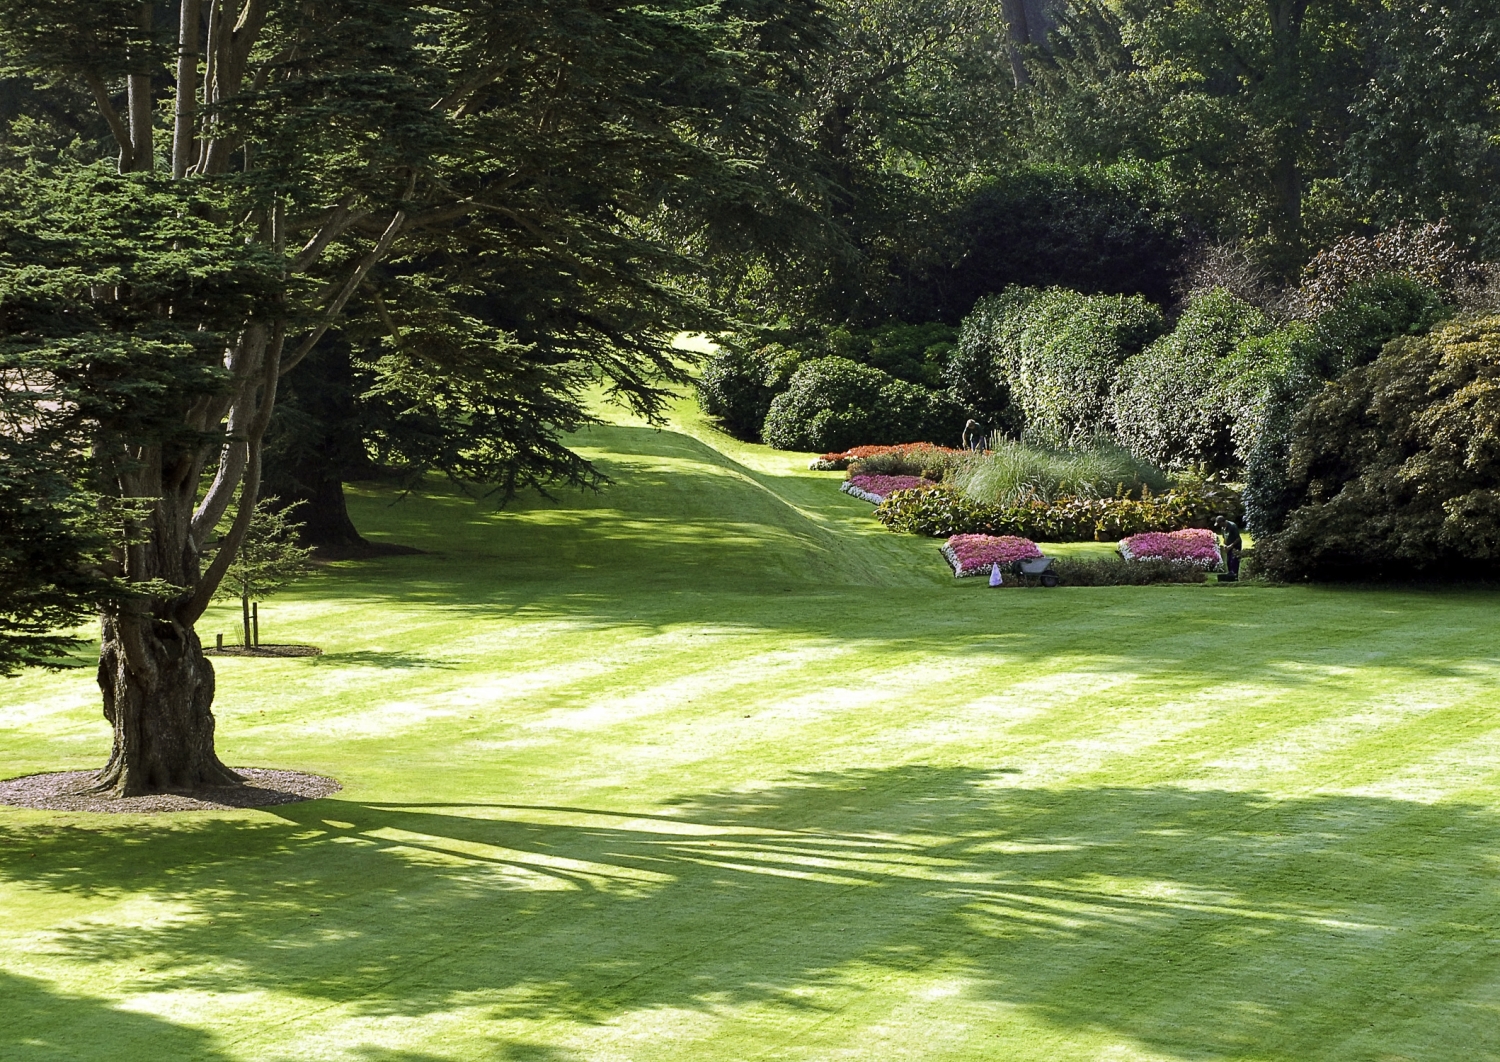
<point>63,791</point>
<point>265,650</point>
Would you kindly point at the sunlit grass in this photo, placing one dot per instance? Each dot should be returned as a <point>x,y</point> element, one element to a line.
<point>711,767</point>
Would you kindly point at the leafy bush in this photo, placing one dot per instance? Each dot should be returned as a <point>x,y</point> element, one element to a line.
<point>941,512</point>
<point>1014,472</point>
<point>932,462</point>
<point>914,353</point>
<point>1422,254</point>
<point>1271,378</point>
<point>1057,353</point>
<point>1116,571</point>
<point>833,403</point>
<point>738,384</point>
<point>1395,467</point>
<point>1168,402</point>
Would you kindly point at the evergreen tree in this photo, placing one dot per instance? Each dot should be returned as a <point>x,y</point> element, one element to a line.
<point>406,170</point>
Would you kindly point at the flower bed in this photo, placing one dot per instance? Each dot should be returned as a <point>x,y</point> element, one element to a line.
<point>874,489</point>
<point>839,461</point>
<point>1192,546</point>
<point>975,554</point>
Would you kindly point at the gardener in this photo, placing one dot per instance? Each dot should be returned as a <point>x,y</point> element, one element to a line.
<point>971,439</point>
<point>1230,546</point>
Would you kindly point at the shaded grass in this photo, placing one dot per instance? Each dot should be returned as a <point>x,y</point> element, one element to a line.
<point>711,767</point>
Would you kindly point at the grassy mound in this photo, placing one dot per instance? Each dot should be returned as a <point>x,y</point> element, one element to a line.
<point>711,767</point>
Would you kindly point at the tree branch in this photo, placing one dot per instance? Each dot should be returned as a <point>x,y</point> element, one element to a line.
<point>191,609</point>
<point>112,118</point>
<point>365,264</point>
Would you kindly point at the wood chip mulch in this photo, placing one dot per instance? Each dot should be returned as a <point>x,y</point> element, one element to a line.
<point>262,788</point>
<point>266,650</point>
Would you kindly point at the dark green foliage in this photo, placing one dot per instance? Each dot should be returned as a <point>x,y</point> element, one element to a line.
<point>834,403</point>
<point>51,542</point>
<point>1057,352</point>
<point>1395,467</point>
<point>1116,571</point>
<point>914,353</point>
<point>1168,406</point>
<point>1100,230</point>
<point>1274,377</point>
<point>1370,315</point>
<point>940,512</point>
<point>1423,144</point>
<point>739,382</point>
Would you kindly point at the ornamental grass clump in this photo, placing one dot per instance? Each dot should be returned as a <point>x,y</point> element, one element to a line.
<point>1190,546</point>
<point>1013,473</point>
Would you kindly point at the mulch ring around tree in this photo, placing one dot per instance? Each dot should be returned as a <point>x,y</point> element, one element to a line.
<point>263,788</point>
<point>264,650</point>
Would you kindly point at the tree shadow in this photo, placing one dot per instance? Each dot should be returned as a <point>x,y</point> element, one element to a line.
<point>1198,923</point>
<point>390,659</point>
<point>38,1024</point>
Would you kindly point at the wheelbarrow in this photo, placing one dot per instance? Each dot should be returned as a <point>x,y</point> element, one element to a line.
<point>1038,568</point>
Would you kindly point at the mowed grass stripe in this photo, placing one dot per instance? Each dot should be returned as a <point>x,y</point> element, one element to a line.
<point>711,767</point>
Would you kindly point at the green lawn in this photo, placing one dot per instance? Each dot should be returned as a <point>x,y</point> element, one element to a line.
<point>710,767</point>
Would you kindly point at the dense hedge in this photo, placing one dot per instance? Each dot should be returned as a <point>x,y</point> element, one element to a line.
<point>745,375</point>
<point>941,512</point>
<point>1116,571</point>
<point>834,403</point>
<point>1169,401</point>
<point>739,382</point>
<point>1395,467</point>
<point>1056,353</point>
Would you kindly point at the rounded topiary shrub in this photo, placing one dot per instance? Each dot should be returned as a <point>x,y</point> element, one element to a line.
<point>1168,405</point>
<point>1395,467</point>
<point>833,403</point>
<point>1057,352</point>
<point>738,384</point>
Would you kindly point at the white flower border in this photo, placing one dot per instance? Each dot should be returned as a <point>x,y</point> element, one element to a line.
<point>959,571</point>
<point>863,495</point>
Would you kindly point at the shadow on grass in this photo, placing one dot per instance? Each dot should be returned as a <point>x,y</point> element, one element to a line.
<point>1194,922</point>
<point>38,1024</point>
<point>392,659</point>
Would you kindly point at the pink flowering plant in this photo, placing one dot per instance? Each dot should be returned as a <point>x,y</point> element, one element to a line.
<point>1195,546</point>
<point>975,554</point>
<point>876,489</point>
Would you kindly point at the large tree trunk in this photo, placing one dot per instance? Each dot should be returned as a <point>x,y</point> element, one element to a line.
<point>323,512</point>
<point>158,690</point>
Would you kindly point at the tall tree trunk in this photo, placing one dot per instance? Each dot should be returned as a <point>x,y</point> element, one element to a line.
<point>1018,35</point>
<point>1286,167</point>
<point>158,691</point>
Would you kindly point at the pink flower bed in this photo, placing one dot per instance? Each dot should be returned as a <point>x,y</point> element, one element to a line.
<point>975,554</point>
<point>1194,546</point>
<point>881,486</point>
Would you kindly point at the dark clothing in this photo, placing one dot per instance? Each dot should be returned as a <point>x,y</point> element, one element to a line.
<point>1233,546</point>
